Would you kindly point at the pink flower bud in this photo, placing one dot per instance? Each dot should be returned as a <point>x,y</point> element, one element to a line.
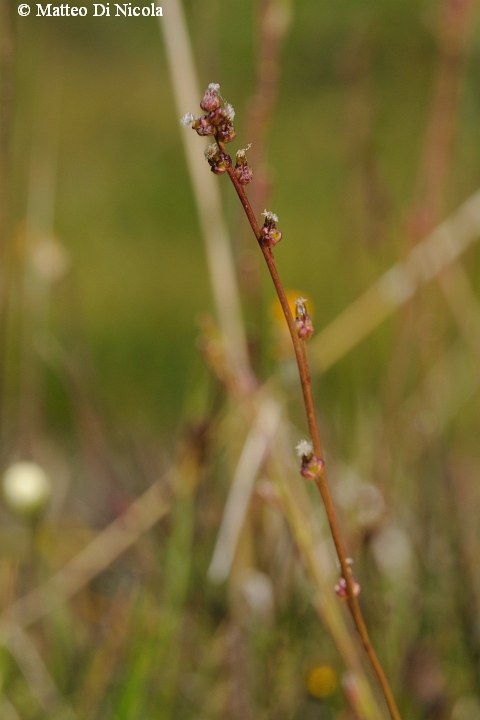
<point>304,327</point>
<point>218,117</point>
<point>203,126</point>
<point>312,467</point>
<point>243,173</point>
<point>270,235</point>
<point>226,133</point>
<point>342,590</point>
<point>220,166</point>
<point>218,161</point>
<point>210,100</point>
<point>303,322</point>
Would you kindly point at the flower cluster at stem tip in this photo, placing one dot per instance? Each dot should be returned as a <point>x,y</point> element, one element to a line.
<point>218,123</point>
<point>312,466</point>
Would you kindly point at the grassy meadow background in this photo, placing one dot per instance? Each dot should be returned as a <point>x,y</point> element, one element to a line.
<point>105,384</point>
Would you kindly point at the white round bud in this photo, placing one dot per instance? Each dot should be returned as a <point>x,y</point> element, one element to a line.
<point>26,487</point>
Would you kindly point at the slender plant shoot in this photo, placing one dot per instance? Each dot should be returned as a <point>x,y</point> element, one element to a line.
<point>217,123</point>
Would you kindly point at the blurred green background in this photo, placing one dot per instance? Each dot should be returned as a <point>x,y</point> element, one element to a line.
<point>374,139</point>
<point>123,205</point>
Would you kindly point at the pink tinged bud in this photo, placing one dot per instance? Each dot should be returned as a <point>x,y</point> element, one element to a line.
<point>221,165</point>
<point>270,235</point>
<point>303,321</point>
<point>203,126</point>
<point>243,173</point>
<point>312,467</point>
<point>342,590</point>
<point>218,161</point>
<point>226,133</point>
<point>222,116</point>
<point>210,101</point>
<point>218,117</point>
<point>304,327</point>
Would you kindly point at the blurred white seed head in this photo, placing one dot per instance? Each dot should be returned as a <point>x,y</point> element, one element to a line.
<point>241,155</point>
<point>269,216</point>
<point>229,112</point>
<point>300,306</point>
<point>26,488</point>
<point>214,87</point>
<point>210,151</point>
<point>304,448</point>
<point>187,119</point>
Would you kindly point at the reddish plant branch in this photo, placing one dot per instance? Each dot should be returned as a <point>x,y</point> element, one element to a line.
<point>321,479</point>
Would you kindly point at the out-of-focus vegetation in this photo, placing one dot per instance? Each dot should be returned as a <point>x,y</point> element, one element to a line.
<point>112,372</point>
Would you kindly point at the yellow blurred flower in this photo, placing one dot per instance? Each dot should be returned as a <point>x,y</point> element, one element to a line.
<point>321,681</point>
<point>283,344</point>
<point>276,312</point>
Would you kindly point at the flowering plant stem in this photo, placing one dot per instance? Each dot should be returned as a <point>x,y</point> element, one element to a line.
<point>321,478</point>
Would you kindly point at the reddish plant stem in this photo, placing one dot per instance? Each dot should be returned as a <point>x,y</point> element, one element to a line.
<point>321,480</point>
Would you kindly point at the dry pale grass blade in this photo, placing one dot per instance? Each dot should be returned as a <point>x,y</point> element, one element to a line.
<point>251,459</point>
<point>7,74</point>
<point>424,263</point>
<point>450,384</point>
<point>207,194</point>
<point>7,710</point>
<point>465,308</point>
<point>108,545</point>
<point>41,683</point>
<point>37,262</point>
